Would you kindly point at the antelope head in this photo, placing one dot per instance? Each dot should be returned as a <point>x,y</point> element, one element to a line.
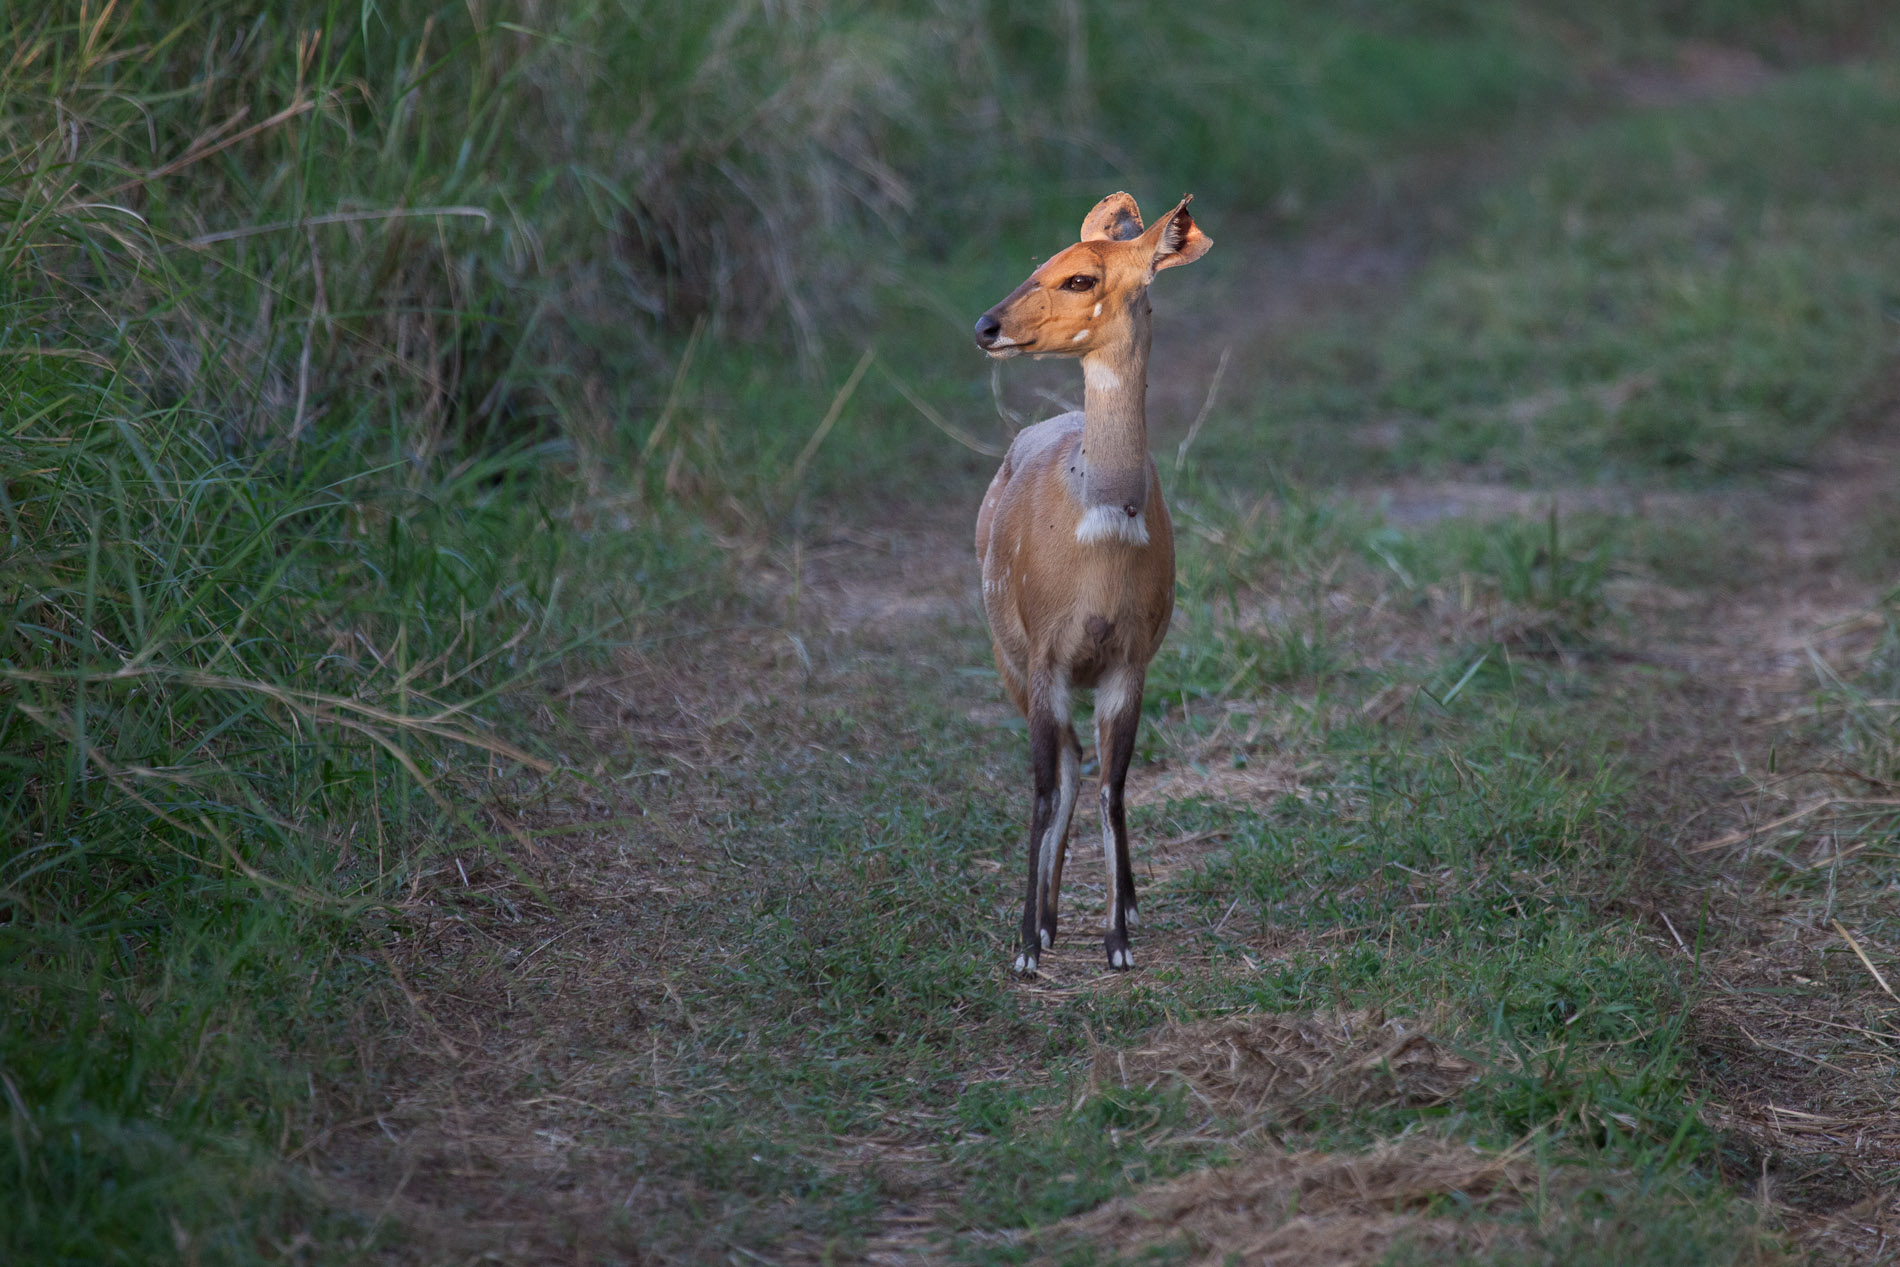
<point>1093,295</point>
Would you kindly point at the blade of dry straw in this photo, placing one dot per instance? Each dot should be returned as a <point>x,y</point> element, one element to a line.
<point>442,724</point>
<point>1739,835</point>
<point>199,153</point>
<point>341,217</point>
<point>673,396</point>
<point>936,419</point>
<point>1010,418</point>
<point>831,418</point>
<point>1207,407</point>
<point>1865,962</point>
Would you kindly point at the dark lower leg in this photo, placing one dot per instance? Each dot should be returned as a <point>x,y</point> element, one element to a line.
<point>1044,747</point>
<point>1115,735</point>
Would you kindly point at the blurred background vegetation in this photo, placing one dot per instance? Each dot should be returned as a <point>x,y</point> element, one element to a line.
<point>360,359</point>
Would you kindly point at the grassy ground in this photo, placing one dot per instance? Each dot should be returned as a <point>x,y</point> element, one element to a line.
<point>472,790</point>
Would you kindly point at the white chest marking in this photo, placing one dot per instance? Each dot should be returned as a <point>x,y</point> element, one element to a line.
<point>1112,523</point>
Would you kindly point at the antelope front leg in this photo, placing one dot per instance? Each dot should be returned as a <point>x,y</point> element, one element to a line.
<point>1117,719</point>
<point>1046,758</point>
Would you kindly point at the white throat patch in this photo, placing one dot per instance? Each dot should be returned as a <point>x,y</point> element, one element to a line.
<point>1112,523</point>
<point>1100,376</point>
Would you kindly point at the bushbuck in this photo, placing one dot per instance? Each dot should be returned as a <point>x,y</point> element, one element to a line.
<point>1075,543</point>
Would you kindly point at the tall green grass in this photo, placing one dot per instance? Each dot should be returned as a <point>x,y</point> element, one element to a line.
<point>235,695</point>
<point>255,617</point>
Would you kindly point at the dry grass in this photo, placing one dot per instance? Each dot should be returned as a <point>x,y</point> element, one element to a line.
<point>1263,1074</point>
<point>1309,1208</point>
<point>1276,1071</point>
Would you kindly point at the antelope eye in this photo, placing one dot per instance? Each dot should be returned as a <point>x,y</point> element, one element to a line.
<point>1080,282</point>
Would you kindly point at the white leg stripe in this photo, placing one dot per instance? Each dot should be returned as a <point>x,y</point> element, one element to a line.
<point>1057,835</point>
<point>1112,696</point>
<point>1059,699</point>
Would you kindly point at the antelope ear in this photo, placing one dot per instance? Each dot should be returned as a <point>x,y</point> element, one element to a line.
<point>1177,239</point>
<point>1115,218</point>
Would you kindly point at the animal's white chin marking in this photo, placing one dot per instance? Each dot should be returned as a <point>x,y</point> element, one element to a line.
<point>1099,376</point>
<point>1112,523</point>
<point>1079,336</point>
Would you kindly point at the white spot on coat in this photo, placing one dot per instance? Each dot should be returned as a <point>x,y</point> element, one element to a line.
<point>1079,336</point>
<point>1056,838</point>
<point>1100,376</point>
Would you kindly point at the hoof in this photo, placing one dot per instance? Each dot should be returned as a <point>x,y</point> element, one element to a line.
<point>1121,959</point>
<point>1048,939</point>
<point>1134,916</point>
<point>1025,965</point>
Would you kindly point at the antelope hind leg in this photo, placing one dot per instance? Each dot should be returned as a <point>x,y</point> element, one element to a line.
<point>1055,842</point>
<point>1117,719</point>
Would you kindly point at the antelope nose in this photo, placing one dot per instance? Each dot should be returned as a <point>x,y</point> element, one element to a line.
<point>987,328</point>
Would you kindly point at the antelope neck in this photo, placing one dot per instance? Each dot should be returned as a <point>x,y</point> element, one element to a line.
<point>1115,427</point>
